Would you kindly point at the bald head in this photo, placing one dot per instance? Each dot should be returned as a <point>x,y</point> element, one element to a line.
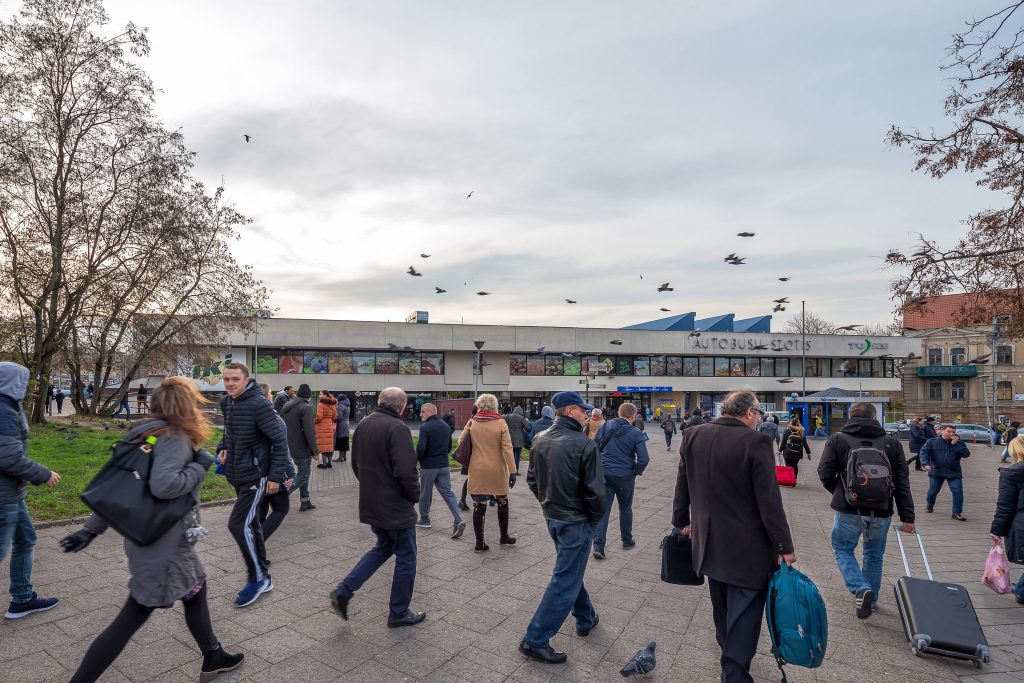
<point>427,410</point>
<point>394,398</point>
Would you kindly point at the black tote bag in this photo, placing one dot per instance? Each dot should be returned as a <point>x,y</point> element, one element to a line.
<point>677,561</point>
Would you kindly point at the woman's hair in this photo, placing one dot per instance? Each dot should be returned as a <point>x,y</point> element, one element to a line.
<point>176,401</point>
<point>1016,448</point>
<point>487,403</point>
<point>266,390</point>
<point>795,426</point>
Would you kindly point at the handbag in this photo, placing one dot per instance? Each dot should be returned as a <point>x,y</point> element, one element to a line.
<point>677,561</point>
<point>119,495</point>
<point>465,449</point>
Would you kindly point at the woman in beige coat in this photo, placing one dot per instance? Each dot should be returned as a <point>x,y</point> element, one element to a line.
<point>492,467</point>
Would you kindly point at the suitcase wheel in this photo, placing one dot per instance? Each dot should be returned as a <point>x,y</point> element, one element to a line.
<point>917,653</point>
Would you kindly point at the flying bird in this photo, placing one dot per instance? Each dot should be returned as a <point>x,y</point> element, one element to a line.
<point>730,257</point>
<point>912,356</point>
<point>470,194</point>
<point>738,261</point>
<point>784,279</point>
<point>247,137</point>
<point>482,293</point>
<point>415,273</point>
<point>783,300</point>
<point>569,301</point>
<point>566,354</point>
<point>778,308</point>
<point>540,349</point>
<point>846,367</point>
<point>392,346</point>
<point>663,287</point>
<point>616,342</point>
<point>438,290</point>
<point>744,234</point>
<point>424,255</point>
<point>666,310</point>
<point>886,355</point>
<point>642,663</point>
<point>694,334</point>
<point>759,347</point>
<point>784,381</point>
<point>980,360</point>
<point>848,328</point>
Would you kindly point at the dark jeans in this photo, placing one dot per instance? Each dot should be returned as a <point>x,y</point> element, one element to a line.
<point>565,592</point>
<point>668,439</point>
<point>244,525</point>
<point>956,487</point>
<point>621,488</point>
<point>303,466</point>
<point>517,453</point>
<point>738,613</point>
<point>125,407</point>
<point>18,534</point>
<point>108,645</point>
<point>398,542</point>
<point>273,510</point>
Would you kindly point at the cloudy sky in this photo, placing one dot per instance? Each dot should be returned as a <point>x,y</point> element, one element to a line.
<point>601,140</point>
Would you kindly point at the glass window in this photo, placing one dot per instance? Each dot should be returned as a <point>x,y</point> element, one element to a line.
<point>290,363</point>
<point>409,363</point>
<point>605,365</point>
<point>431,363</point>
<point>517,364</point>
<point>890,368</point>
<point>957,355</point>
<point>552,365</point>
<point>339,363</point>
<point>781,367</point>
<point>1004,391</point>
<point>824,367</point>
<point>623,365</point>
<point>934,356</point>
<point>768,368</point>
<point>753,367</point>
<point>878,367</point>
<point>811,368</point>
<point>535,365</point>
<point>722,367</point>
<point>958,391</point>
<point>707,366</point>
<point>690,367</point>
<point>1004,355</point>
<point>268,361</point>
<point>387,363</point>
<point>572,367</point>
<point>363,362</point>
<point>314,362</point>
<point>658,366</point>
<point>864,367</point>
<point>736,368</point>
<point>642,366</point>
<point>590,364</point>
<point>935,391</point>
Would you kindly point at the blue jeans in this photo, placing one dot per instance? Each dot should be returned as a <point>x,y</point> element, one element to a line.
<point>398,542</point>
<point>442,479</point>
<point>847,530</point>
<point>565,592</point>
<point>17,532</point>
<point>820,433</point>
<point>668,439</point>
<point>621,488</point>
<point>956,487</point>
<point>123,406</point>
<point>1018,588</point>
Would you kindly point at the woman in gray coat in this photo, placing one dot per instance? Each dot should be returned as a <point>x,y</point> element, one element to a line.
<point>168,569</point>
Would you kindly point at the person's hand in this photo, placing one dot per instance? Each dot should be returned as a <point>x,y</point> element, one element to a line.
<point>204,458</point>
<point>76,541</point>
<point>908,527</point>
<point>788,558</point>
<point>53,480</point>
<point>927,468</point>
<point>512,480</point>
<point>288,484</point>
<point>272,487</point>
<point>996,539</point>
<point>685,531</point>
<point>222,457</point>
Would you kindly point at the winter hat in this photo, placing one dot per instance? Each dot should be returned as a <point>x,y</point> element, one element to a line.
<point>304,391</point>
<point>547,411</point>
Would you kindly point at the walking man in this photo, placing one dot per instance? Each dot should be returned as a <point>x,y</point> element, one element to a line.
<point>623,458</point>
<point>868,519</point>
<point>565,475</point>
<point>728,501</point>
<point>16,471</point>
<point>769,427</point>
<point>384,462</point>
<point>432,452</point>
<point>695,420</point>
<point>941,457</point>
<point>59,397</point>
<point>518,426</point>
<point>298,419</point>
<point>49,398</point>
<point>668,425</point>
<point>283,396</point>
<point>254,453</point>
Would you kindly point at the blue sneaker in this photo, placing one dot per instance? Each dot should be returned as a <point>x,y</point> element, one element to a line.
<point>17,610</point>
<point>253,591</point>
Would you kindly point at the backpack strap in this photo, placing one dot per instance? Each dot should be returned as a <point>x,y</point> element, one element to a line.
<point>608,439</point>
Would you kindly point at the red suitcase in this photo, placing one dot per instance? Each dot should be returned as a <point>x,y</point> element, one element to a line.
<point>785,474</point>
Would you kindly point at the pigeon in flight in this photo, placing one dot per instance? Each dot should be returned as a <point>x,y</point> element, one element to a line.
<point>424,255</point>
<point>784,381</point>
<point>470,194</point>
<point>783,300</point>
<point>738,261</point>
<point>569,301</point>
<point>392,346</point>
<point>663,287</point>
<point>846,367</point>
<point>730,257</point>
<point>778,307</point>
<point>482,293</point>
<point>759,347</point>
<point>567,354</point>
<point>784,279</point>
<point>744,234</point>
<point>438,290</point>
<point>912,356</point>
<point>642,663</point>
<point>665,310</point>
<point>540,349</point>
<point>848,328</point>
<point>616,342</point>
<point>247,137</point>
<point>694,334</point>
<point>886,355</point>
<point>980,360</point>
<point>415,273</point>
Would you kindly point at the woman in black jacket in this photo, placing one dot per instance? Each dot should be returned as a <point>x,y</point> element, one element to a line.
<point>1008,522</point>
<point>793,445</point>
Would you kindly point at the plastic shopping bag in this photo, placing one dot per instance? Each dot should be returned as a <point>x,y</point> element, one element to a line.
<point>997,570</point>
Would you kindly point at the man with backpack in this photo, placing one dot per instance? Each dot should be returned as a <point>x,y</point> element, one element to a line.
<point>668,425</point>
<point>866,472</point>
<point>623,458</point>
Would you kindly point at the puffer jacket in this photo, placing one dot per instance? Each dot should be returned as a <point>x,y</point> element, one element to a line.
<point>1009,518</point>
<point>565,473</point>
<point>518,426</point>
<point>254,439</point>
<point>326,413</point>
<point>16,470</point>
<point>344,411</point>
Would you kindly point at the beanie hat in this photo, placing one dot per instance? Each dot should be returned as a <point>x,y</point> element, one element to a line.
<point>546,411</point>
<point>304,391</point>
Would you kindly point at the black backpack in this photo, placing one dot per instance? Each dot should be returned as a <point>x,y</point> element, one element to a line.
<point>795,446</point>
<point>868,478</point>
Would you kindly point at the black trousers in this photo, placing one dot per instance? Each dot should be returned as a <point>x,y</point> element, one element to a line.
<point>738,613</point>
<point>273,510</point>
<point>247,530</point>
<point>109,644</point>
<point>794,463</point>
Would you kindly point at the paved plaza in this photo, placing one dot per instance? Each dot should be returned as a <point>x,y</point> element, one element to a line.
<point>478,605</point>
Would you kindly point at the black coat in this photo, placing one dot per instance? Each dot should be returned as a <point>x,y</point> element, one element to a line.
<point>1009,518</point>
<point>726,492</point>
<point>254,439</point>
<point>919,433</point>
<point>298,418</point>
<point>384,462</point>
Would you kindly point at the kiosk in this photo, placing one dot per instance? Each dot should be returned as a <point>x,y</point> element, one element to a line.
<point>834,405</point>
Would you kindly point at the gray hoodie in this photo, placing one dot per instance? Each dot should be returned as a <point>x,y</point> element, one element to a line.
<point>16,470</point>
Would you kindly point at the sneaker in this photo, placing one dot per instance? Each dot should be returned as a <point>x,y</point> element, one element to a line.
<point>17,610</point>
<point>865,597</point>
<point>458,529</point>
<point>253,591</point>
<point>959,518</point>
<point>629,546</point>
<point>463,506</point>
<point>929,509</point>
<point>217,662</point>
<point>306,505</point>
<point>423,523</point>
<point>339,601</point>
<point>598,554</point>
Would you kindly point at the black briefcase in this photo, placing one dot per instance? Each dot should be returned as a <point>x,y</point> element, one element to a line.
<point>677,561</point>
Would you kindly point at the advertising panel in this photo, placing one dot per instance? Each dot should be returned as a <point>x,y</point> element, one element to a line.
<point>207,371</point>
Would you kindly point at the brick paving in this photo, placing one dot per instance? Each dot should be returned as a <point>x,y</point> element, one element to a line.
<point>478,605</point>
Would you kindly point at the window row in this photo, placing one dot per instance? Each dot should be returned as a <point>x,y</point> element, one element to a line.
<point>958,355</point>
<point>706,366</point>
<point>349,362</point>
<point>958,391</point>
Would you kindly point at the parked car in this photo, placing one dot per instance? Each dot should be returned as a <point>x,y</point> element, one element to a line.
<point>971,433</point>
<point>901,430</point>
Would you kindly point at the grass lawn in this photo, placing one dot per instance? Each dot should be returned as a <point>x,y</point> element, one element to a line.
<point>78,459</point>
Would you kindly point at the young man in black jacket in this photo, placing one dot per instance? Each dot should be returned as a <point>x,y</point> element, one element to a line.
<point>302,445</point>
<point>853,523</point>
<point>432,451</point>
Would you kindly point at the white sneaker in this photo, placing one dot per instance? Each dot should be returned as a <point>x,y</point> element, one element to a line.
<point>423,523</point>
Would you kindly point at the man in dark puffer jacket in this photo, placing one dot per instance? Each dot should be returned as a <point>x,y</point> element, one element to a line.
<point>254,452</point>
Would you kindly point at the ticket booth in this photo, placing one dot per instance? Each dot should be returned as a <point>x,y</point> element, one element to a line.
<point>834,406</point>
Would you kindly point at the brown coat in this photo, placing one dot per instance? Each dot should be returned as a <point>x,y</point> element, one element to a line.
<point>591,427</point>
<point>326,411</point>
<point>492,462</point>
<point>726,492</point>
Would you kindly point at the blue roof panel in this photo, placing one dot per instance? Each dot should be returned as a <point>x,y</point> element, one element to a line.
<point>674,323</point>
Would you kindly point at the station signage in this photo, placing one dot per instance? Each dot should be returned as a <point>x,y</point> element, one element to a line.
<point>642,390</point>
<point>748,343</point>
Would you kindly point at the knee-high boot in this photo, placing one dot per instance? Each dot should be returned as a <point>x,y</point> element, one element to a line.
<point>503,523</point>
<point>479,510</point>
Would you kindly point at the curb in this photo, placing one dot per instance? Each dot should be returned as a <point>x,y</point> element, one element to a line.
<point>50,523</point>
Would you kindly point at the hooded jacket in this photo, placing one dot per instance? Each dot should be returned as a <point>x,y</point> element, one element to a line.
<point>547,418</point>
<point>1009,518</point>
<point>254,438</point>
<point>326,414</point>
<point>298,418</point>
<point>833,463</point>
<point>16,470</point>
<point>919,434</point>
<point>344,410</point>
<point>518,426</point>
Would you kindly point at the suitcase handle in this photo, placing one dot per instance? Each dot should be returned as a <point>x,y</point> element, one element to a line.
<point>903,552</point>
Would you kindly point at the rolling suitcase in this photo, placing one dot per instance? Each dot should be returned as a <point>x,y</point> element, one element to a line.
<point>938,618</point>
<point>784,473</point>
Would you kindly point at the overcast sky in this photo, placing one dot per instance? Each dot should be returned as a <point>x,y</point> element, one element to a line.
<point>601,140</point>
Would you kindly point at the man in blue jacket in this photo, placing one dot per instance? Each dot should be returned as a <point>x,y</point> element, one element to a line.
<point>940,457</point>
<point>432,450</point>
<point>623,457</point>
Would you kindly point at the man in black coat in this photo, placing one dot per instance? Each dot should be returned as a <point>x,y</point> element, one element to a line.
<point>728,501</point>
<point>283,396</point>
<point>384,462</point>
<point>298,418</point>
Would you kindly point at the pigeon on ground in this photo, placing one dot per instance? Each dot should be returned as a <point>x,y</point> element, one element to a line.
<point>569,301</point>
<point>247,137</point>
<point>438,290</point>
<point>482,293</point>
<point>616,342</point>
<point>415,273</point>
<point>642,663</point>
<point>848,328</point>
<point>744,234</point>
<point>784,381</point>
<point>663,287</point>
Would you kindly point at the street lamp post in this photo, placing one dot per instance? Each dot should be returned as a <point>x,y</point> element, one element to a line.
<point>803,345</point>
<point>257,316</point>
<point>478,370</point>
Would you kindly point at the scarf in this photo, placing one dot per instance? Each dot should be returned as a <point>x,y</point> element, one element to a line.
<point>486,416</point>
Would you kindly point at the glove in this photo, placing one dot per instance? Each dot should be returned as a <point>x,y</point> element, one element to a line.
<point>204,458</point>
<point>77,541</point>
<point>512,480</point>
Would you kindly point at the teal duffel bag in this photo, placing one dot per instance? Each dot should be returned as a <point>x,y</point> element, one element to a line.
<point>797,622</point>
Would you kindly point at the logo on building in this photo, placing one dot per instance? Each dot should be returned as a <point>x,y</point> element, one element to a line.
<point>867,345</point>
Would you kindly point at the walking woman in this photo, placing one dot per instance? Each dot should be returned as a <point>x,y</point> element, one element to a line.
<point>274,506</point>
<point>491,468</point>
<point>793,446</point>
<point>1008,522</point>
<point>595,422</point>
<point>326,414</point>
<point>341,427</point>
<point>168,569</point>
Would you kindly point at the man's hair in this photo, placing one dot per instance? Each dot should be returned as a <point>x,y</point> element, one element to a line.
<point>1014,424</point>
<point>863,410</point>
<point>238,366</point>
<point>627,410</point>
<point>945,427</point>
<point>738,403</point>
<point>287,387</point>
<point>429,407</point>
<point>392,397</point>
<point>563,412</point>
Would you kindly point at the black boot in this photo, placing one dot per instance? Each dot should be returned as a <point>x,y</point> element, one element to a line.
<point>503,523</point>
<point>479,510</point>
<point>216,662</point>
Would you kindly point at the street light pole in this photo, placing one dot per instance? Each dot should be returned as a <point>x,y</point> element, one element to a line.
<point>479,344</point>
<point>803,345</point>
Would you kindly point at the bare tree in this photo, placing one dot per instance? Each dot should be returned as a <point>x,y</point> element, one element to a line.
<point>985,137</point>
<point>815,324</point>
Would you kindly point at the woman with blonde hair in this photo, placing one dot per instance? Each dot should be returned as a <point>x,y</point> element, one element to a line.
<point>1008,521</point>
<point>793,445</point>
<point>168,569</point>
<point>492,467</point>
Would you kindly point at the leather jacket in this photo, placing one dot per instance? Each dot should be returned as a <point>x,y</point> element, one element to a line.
<point>565,473</point>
